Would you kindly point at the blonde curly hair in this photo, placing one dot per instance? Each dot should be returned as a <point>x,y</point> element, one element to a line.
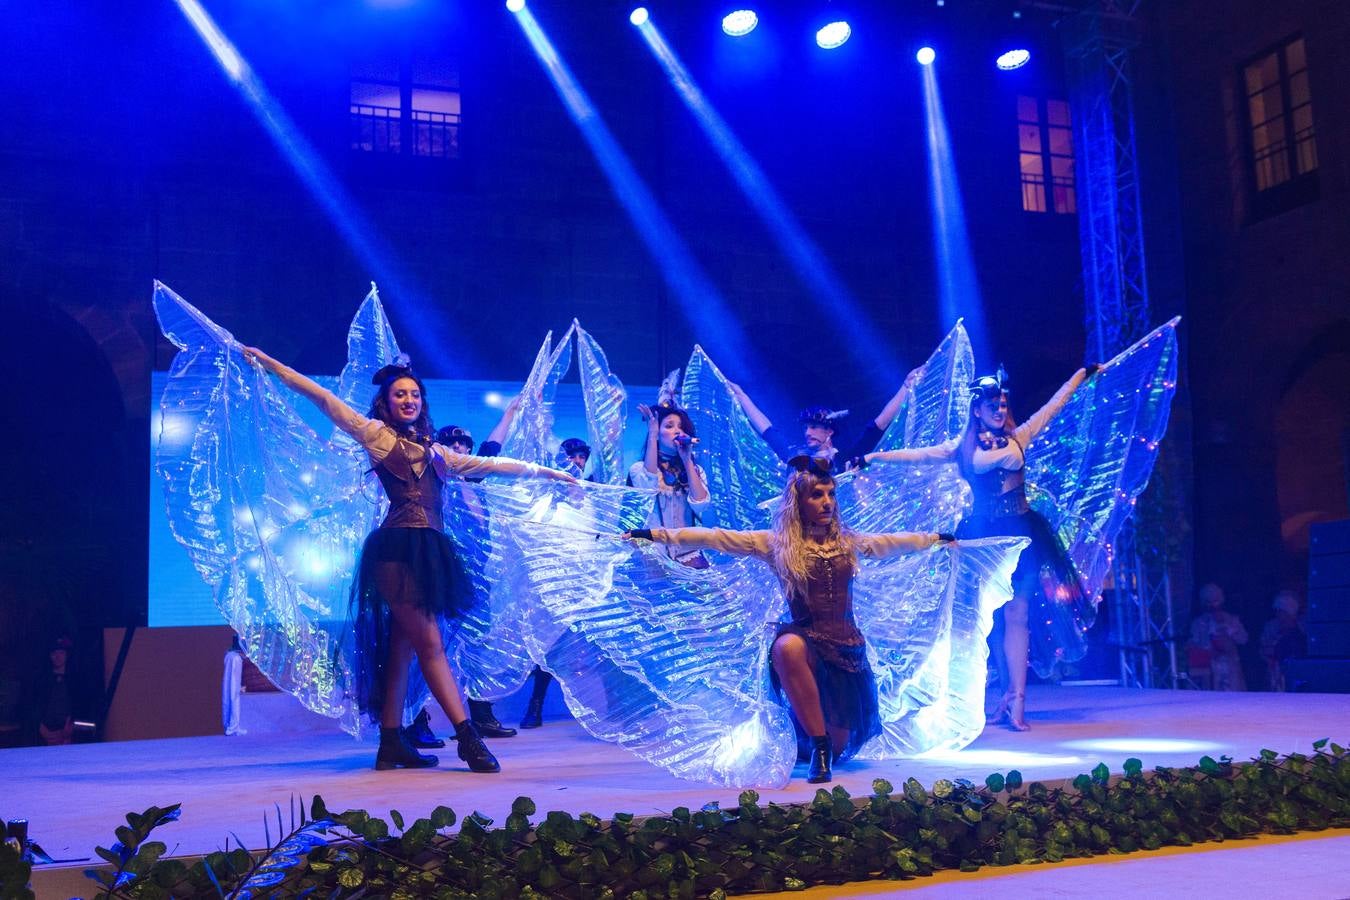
<point>788,541</point>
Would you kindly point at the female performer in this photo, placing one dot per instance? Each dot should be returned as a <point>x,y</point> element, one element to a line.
<point>819,657</point>
<point>991,454</point>
<point>409,575</point>
<point>668,466</point>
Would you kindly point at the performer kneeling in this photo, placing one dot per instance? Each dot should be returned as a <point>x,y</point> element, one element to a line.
<point>820,656</point>
<point>409,574</point>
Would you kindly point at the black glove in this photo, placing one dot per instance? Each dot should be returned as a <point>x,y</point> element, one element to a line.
<point>1092,369</point>
<point>949,538</point>
<point>857,462</point>
<point>642,534</point>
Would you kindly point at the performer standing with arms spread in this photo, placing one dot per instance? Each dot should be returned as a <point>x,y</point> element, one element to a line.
<point>409,575</point>
<point>991,454</point>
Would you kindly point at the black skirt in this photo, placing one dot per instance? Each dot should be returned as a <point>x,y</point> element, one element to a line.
<point>414,566</point>
<point>1058,612</point>
<point>848,693</point>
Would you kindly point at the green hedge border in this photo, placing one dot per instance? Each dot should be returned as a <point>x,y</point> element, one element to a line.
<point>716,852</point>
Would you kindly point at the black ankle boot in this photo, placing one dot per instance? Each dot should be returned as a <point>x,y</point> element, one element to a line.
<point>820,760</point>
<point>472,749</point>
<point>534,711</point>
<point>480,711</point>
<point>395,751</point>
<point>419,733</point>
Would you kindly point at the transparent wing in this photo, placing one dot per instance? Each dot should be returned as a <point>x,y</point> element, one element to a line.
<point>890,498</point>
<point>531,434</point>
<point>1086,468</point>
<point>743,471</point>
<point>270,513</point>
<point>604,398</point>
<point>936,409</point>
<point>668,662</point>
<point>927,617</point>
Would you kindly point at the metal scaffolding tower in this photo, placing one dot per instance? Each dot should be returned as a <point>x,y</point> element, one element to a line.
<point>1100,39</point>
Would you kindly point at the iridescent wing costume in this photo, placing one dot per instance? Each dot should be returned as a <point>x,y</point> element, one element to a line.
<point>671,662</point>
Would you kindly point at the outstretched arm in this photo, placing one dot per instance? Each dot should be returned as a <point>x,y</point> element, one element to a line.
<point>899,543</point>
<point>465,465</point>
<point>737,543</point>
<point>372,434</point>
<point>945,452</point>
<point>1027,431</point>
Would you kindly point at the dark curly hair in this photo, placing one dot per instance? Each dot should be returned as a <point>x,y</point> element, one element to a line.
<point>421,428</point>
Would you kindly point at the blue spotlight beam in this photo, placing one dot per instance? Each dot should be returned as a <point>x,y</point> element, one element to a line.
<point>339,206</point>
<point>958,288</point>
<point>806,257</point>
<point>702,304</point>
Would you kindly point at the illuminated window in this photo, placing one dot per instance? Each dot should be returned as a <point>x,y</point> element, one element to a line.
<point>1045,155</point>
<point>1279,113</point>
<point>409,107</point>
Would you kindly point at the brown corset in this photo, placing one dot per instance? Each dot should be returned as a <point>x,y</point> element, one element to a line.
<point>414,499</point>
<point>826,611</point>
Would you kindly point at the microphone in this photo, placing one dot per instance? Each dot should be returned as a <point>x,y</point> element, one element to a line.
<point>685,440</point>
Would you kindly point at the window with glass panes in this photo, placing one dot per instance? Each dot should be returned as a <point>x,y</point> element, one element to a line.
<point>409,106</point>
<point>1045,155</point>
<point>1279,113</point>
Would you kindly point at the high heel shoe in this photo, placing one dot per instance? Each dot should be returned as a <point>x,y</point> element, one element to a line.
<point>821,757</point>
<point>1017,712</point>
<point>395,751</point>
<point>472,749</point>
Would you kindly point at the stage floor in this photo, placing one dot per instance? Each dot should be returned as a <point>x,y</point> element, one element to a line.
<point>75,796</point>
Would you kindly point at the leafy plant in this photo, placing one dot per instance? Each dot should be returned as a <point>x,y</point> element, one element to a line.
<point>712,852</point>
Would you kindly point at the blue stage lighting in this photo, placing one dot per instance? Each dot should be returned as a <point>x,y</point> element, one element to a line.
<point>833,35</point>
<point>515,5</point>
<point>925,56</point>
<point>1013,59</point>
<point>639,16</point>
<point>740,22</point>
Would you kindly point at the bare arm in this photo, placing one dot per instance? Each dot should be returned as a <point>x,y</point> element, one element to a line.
<point>896,403</point>
<point>372,434</point>
<point>650,454</point>
<point>758,420</point>
<point>498,433</point>
<point>698,486</point>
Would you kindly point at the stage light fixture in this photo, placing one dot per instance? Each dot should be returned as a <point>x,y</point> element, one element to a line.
<point>833,35</point>
<point>740,22</point>
<point>1013,59</point>
<point>639,16</point>
<point>515,5</point>
<point>925,56</point>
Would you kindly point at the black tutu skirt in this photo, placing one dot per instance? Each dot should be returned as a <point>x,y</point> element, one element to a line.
<point>415,566</point>
<point>1058,613</point>
<point>848,694</point>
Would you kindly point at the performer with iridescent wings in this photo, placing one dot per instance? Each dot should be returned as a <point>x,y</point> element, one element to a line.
<point>409,574</point>
<point>991,457</point>
<point>1068,479</point>
<point>820,656</point>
